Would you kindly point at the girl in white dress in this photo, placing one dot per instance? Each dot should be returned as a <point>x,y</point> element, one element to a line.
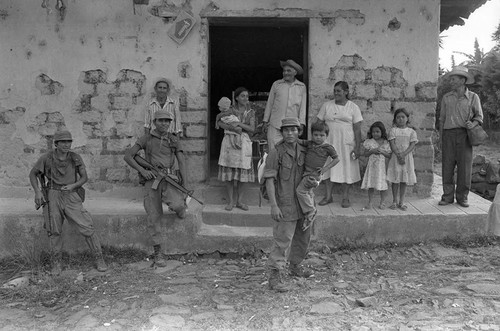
<point>401,170</point>
<point>377,149</point>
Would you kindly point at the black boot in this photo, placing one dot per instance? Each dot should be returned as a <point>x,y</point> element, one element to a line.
<point>297,270</point>
<point>158,260</point>
<point>275,282</point>
<point>95,246</point>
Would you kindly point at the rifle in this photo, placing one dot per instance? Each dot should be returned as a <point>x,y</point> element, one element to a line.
<point>160,175</point>
<point>45,204</point>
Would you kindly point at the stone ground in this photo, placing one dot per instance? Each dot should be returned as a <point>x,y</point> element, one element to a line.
<point>435,286</point>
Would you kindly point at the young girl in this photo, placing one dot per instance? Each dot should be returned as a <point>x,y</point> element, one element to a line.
<point>401,170</point>
<point>377,149</point>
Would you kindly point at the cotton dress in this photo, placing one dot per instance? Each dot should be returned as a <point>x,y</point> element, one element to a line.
<point>402,173</point>
<point>340,120</point>
<point>236,164</point>
<point>375,175</point>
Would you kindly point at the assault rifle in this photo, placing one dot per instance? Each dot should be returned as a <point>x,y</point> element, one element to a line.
<point>45,204</point>
<point>162,174</point>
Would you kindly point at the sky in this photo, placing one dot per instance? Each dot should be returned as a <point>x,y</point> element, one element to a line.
<point>481,24</point>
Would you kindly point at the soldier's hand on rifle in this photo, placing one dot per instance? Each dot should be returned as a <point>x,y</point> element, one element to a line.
<point>39,200</point>
<point>148,174</point>
<point>68,187</point>
<point>276,213</point>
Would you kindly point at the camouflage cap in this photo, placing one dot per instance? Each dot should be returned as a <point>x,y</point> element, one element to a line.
<point>63,135</point>
<point>290,121</point>
<point>164,114</point>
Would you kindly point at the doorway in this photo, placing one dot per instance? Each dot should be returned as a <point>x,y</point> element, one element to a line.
<point>246,52</point>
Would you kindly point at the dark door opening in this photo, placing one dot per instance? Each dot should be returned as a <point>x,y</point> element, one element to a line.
<point>246,52</point>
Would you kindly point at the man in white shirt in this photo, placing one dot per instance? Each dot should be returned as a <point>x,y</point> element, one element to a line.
<point>287,98</point>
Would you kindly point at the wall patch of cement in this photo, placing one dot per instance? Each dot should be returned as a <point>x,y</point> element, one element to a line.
<point>47,86</point>
<point>394,24</point>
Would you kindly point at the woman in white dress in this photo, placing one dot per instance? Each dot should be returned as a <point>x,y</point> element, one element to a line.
<point>343,117</point>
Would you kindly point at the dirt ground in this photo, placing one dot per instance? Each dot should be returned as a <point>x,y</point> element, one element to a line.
<point>446,286</point>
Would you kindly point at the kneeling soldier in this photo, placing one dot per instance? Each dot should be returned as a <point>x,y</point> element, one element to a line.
<point>61,174</point>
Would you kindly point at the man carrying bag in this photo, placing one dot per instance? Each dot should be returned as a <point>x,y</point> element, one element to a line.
<point>461,112</point>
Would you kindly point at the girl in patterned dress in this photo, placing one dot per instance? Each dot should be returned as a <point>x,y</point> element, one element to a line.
<point>401,170</point>
<point>377,149</point>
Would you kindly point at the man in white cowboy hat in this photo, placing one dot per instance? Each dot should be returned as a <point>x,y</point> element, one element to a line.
<point>62,173</point>
<point>287,98</point>
<point>460,110</point>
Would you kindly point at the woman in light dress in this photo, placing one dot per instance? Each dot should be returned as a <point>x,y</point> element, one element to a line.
<point>344,119</point>
<point>235,164</point>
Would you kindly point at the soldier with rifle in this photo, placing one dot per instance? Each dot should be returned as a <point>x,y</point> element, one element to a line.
<point>160,149</point>
<point>57,180</point>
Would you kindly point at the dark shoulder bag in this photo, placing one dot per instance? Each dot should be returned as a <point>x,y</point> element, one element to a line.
<point>80,190</point>
<point>477,135</point>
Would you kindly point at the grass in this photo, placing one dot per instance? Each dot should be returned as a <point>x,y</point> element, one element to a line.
<point>462,243</point>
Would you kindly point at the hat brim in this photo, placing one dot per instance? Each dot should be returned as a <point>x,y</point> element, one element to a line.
<point>290,126</point>
<point>295,66</point>
<point>468,76</point>
<point>162,80</point>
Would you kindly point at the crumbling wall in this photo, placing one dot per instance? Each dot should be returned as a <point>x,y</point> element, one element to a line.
<point>389,61</point>
<point>89,68</point>
<point>380,91</point>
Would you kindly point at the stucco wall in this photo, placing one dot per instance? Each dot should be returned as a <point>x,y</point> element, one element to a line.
<point>90,69</point>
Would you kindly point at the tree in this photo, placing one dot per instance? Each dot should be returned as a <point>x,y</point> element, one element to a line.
<point>473,59</point>
<point>490,87</point>
<point>496,38</point>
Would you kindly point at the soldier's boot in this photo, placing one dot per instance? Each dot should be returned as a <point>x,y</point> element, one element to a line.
<point>56,269</point>
<point>275,282</point>
<point>297,270</point>
<point>100,264</point>
<point>158,259</point>
<point>95,246</point>
<point>55,243</point>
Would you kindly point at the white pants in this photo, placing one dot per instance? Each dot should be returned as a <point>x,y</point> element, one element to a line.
<point>273,137</point>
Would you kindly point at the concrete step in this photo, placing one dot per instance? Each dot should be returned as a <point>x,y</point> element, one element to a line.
<point>121,222</point>
<point>215,192</point>
<point>254,217</point>
<point>424,220</point>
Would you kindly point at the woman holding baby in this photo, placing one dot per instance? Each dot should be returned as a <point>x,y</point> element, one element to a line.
<point>235,160</point>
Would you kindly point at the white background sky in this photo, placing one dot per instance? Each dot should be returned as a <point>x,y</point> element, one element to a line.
<point>481,24</point>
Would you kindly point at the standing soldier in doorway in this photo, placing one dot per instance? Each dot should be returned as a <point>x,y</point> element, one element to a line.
<point>57,179</point>
<point>283,173</point>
